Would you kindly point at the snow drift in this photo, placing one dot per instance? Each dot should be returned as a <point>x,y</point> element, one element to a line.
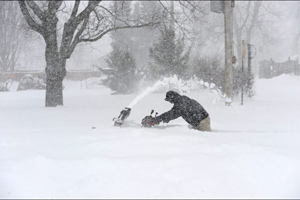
<point>252,152</point>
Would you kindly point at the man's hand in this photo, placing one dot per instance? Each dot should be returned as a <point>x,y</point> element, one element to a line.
<point>149,121</point>
<point>154,120</point>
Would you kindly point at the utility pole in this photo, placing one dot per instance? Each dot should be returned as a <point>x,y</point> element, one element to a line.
<point>226,7</point>
<point>228,29</point>
<point>243,77</point>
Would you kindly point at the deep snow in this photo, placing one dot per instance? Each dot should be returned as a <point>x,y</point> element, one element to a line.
<point>74,151</point>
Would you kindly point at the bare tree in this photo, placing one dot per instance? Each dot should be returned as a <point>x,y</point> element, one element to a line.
<point>63,31</point>
<point>12,34</point>
<point>181,15</point>
<point>253,18</point>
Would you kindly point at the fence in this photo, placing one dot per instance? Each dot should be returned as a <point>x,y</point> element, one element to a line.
<point>270,68</point>
<point>71,75</point>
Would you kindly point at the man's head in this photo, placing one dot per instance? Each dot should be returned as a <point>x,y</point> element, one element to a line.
<point>172,96</point>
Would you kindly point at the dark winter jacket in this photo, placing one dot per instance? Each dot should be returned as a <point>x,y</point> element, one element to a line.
<point>189,109</point>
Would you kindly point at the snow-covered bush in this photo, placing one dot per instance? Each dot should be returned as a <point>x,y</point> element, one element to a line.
<point>29,82</point>
<point>4,86</point>
<point>210,70</point>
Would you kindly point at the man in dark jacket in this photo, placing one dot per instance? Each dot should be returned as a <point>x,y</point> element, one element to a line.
<point>189,109</point>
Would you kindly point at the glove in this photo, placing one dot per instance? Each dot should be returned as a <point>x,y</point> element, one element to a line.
<point>149,121</point>
<point>154,120</point>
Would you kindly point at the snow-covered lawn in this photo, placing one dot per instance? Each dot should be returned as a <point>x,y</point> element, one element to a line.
<point>74,151</point>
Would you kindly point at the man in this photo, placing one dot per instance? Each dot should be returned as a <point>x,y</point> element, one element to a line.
<point>189,109</point>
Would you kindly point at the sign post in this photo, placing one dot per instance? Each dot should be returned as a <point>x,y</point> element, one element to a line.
<point>243,77</point>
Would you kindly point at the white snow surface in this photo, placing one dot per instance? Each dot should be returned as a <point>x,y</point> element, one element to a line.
<point>74,151</point>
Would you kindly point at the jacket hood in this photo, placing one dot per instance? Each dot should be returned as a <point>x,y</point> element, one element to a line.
<point>172,96</point>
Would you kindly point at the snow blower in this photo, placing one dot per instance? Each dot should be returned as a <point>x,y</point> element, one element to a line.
<point>123,115</point>
<point>147,121</point>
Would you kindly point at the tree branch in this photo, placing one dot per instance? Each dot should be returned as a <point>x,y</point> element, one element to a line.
<point>75,9</point>
<point>36,10</point>
<point>31,22</point>
<point>247,16</point>
<point>77,38</point>
<point>67,46</point>
<point>117,28</point>
<point>53,6</point>
<point>85,13</point>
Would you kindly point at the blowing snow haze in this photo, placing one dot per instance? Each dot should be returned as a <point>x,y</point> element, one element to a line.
<point>88,60</point>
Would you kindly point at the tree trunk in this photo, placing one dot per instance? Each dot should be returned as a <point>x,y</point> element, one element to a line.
<point>55,72</point>
<point>54,88</point>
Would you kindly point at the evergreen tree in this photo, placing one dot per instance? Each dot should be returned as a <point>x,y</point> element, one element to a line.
<point>168,56</point>
<point>137,41</point>
<point>163,54</point>
<point>122,38</point>
<point>122,76</point>
<point>143,38</point>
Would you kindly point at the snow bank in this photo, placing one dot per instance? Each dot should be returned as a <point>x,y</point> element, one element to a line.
<point>253,151</point>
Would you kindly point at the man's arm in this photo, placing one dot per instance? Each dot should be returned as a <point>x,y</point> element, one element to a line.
<point>170,115</point>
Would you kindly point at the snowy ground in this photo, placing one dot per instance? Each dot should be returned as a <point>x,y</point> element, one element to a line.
<point>253,151</point>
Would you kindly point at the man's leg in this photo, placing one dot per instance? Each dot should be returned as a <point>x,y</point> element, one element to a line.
<point>204,125</point>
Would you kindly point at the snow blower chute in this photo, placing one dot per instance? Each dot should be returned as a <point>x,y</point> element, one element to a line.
<point>123,115</point>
